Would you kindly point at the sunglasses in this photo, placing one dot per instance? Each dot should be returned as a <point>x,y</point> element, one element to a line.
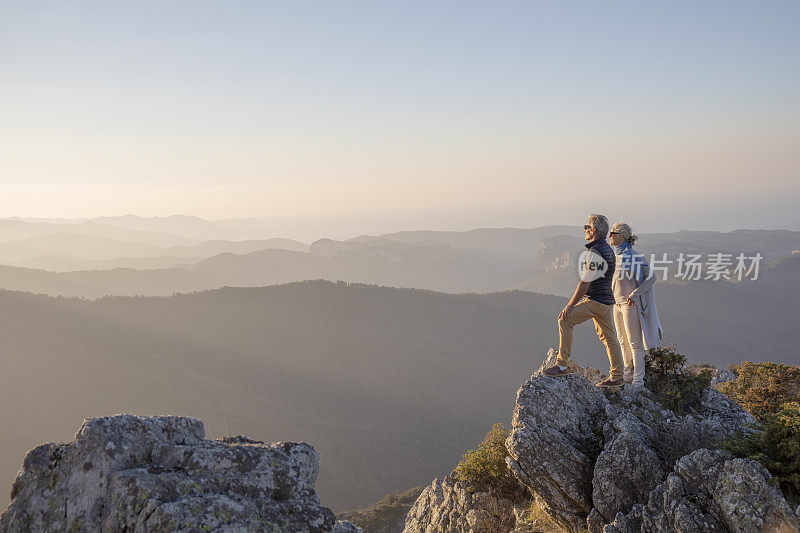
<point>587,226</point>
<point>615,233</point>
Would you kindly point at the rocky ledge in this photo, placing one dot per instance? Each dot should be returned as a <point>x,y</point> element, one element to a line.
<point>130,473</point>
<point>616,461</point>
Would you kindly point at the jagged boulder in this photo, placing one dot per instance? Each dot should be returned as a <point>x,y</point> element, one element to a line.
<point>130,473</point>
<point>710,490</point>
<point>555,439</point>
<point>451,505</point>
<point>628,467</point>
<point>594,454</point>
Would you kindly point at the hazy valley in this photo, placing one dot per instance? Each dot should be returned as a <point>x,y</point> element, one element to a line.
<point>390,384</point>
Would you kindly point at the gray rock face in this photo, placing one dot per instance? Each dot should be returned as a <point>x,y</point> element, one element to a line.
<point>597,453</point>
<point>448,506</point>
<point>717,414</point>
<point>556,437</point>
<point>627,468</point>
<point>129,473</point>
<point>712,491</point>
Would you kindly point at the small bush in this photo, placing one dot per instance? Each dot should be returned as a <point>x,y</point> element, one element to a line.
<point>770,391</point>
<point>664,360</point>
<point>776,446</point>
<point>764,388</point>
<point>673,388</point>
<point>486,468</point>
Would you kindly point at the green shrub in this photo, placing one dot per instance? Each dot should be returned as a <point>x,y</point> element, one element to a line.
<point>673,387</point>
<point>485,467</point>
<point>764,388</point>
<point>664,360</point>
<point>776,446</point>
<point>770,391</point>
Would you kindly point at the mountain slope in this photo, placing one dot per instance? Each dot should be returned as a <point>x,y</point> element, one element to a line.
<point>390,385</point>
<point>353,369</point>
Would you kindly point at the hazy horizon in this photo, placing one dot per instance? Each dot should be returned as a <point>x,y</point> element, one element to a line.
<point>364,110</point>
<point>666,213</point>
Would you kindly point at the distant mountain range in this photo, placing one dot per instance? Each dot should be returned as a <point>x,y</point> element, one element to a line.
<point>66,253</point>
<point>482,260</point>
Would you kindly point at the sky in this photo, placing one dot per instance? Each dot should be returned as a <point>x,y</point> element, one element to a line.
<point>347,108</point>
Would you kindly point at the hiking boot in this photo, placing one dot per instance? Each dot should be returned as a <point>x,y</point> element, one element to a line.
<point>611,383</point>
<point>555,371</point>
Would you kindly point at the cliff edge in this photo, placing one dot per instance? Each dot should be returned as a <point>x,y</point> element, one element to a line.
<point>615,460</point>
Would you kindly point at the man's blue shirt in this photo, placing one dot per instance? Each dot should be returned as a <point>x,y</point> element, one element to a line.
<point>600,289</point>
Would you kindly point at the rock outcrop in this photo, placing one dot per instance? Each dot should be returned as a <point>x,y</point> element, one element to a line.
<point>593,455</point>
<point>450,505</point>
<point>712,491</point>
<point>616,461</point>
<point>129,473</point>
<point>555,441</point>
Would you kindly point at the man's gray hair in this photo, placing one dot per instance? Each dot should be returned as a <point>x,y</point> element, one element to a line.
<point>600,223</point>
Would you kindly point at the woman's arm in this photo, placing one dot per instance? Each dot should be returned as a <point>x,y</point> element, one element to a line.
<point>647,280</point>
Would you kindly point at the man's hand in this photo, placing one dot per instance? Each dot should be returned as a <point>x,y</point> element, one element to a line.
<point>580,291</point>
<point>630,301</point>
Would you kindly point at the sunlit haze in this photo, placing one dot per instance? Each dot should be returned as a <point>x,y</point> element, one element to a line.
<point>472,111</point>
<point>392,266</point>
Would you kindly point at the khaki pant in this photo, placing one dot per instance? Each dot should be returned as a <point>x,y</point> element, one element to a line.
<point>603,318</point>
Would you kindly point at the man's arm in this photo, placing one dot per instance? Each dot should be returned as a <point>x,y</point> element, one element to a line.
<point>580,291</point>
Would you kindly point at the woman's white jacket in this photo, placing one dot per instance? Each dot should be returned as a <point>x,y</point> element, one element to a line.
<point>643,294</point>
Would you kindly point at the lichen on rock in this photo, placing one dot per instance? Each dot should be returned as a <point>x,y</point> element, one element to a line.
<point>452,505</point>
<point>130,473</point>
<point>710,490</point>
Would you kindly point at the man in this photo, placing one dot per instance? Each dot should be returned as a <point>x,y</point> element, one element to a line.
<point>592,299</point>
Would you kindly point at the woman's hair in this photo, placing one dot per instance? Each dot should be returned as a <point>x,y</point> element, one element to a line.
<point>626,232</point>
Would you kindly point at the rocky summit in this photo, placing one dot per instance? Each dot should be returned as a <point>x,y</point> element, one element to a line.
<point>449,505</point>
<point>616,461</point>
<point>137,474</point>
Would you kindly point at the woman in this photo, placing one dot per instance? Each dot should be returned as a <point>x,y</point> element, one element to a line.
<point>635,314</point>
